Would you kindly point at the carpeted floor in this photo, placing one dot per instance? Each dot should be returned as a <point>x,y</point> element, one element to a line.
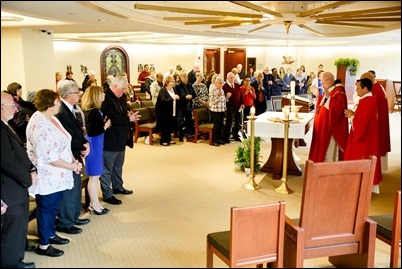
<point>182,193</point>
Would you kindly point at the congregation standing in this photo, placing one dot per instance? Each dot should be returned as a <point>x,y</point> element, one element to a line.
<point>60,146</point>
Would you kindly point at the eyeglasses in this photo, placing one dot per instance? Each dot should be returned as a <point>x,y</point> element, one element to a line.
<point>74,92</point>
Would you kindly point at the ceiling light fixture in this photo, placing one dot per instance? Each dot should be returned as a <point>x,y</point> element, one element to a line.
<point>286,58</point>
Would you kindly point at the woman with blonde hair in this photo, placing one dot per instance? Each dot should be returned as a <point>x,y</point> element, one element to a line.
<point>96,127</point>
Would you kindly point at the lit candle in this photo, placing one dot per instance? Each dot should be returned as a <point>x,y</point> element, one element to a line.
<point>292,88</point>
<point>252,111</point>
<point>286,112</point>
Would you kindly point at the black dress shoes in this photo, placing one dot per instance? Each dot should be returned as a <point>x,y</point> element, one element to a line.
<point>50,251</point>
<point>112,200</point>
<point>56,240</point>
<point>82,221</point>
<point>69,230</point>
<point>216,144</point>
<point>220,142</point>
<point>29,247</point>
<point>122,191</point>
<point>26,265</point>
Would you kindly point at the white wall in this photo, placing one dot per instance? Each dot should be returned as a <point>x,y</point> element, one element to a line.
<point>31,58</point>
<point>385,60</point>
<point>161,56</point>
<point>27,58</point>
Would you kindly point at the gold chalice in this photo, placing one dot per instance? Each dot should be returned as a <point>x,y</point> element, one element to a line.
<point>295,109</point>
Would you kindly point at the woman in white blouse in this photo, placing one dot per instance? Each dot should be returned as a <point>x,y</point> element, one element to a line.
<point>49,149</point>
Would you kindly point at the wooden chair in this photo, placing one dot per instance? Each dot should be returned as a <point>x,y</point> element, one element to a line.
<point>202,123</point>
<point>147,103</point>
<point>255,237</point>
<point>397,92</point>
<point>135,105</point>
<point>145,124</point>
<point>334,219</point>
<point>389,230</point>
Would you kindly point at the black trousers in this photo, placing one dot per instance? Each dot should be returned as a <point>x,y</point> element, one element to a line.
<point>14,229</point>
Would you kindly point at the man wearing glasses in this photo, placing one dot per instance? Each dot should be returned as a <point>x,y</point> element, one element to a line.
<point>70,207</point>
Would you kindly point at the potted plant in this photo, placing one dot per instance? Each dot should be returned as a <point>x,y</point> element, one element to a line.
<point>243,154</point>
<point>351,64</point>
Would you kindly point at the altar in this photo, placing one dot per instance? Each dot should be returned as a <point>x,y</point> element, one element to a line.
<point>269,126</point>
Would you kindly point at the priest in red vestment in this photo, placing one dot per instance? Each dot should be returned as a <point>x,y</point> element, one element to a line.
<point>363,137</point>
<point>384,136</point>
<point>330,131</point>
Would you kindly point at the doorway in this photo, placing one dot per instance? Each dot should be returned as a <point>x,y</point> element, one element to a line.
<point>233,57</point>
<point>251,63</point>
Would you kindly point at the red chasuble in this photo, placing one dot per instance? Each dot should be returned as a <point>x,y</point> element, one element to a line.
<point>330,121</point>
<point>363,136</point>
<point>383,119</point>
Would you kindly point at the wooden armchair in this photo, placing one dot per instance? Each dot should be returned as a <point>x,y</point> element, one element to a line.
<point>202,123</point>
<point>389,230</point>
<point>397,93</point>
<point>145,124</point>
<point>334,216</point>
<point>255,237</point>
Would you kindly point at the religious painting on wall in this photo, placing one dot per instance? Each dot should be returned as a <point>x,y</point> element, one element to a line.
<point>114,61</point>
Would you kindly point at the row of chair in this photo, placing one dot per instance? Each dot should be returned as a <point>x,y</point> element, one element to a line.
<point>147,123</point>
<point>333,223</point>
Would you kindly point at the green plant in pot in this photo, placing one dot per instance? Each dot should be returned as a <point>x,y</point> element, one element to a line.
<point>243,154</point>
<point>352,64</point>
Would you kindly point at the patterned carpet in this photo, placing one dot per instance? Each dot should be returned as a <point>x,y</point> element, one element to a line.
<point>182,193</point>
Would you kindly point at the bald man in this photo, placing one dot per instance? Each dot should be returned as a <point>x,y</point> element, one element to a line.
<point>330,132</point>
<point>17,175</point>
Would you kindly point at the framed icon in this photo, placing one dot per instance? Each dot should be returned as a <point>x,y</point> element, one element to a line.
<point>140,68</point>
<point>114,61</point>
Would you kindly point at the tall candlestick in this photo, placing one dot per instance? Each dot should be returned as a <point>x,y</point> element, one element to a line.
<point>292,88</point>
<point>252,111</point>
<point>286,112</point>
<point>292,92</point>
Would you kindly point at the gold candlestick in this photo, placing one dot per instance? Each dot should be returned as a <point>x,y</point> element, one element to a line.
<point>251,185</point>
<point>283,188</point>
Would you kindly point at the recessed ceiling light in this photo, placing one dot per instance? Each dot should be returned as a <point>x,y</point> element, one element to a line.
<point>103,20</point>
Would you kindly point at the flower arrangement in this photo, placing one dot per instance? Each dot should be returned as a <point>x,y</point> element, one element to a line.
<point>351,63</point>
<point>243,153</point>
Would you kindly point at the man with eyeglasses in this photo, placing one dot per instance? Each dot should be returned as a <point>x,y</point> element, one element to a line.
<point>70,207</point>
<point>17,174</point>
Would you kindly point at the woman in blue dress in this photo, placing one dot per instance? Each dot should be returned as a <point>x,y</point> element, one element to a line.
<point>96,126</point>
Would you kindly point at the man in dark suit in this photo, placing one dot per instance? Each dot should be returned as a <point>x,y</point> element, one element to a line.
<point>70,207</point>
<point>117,137</point>
<point>17,175</point>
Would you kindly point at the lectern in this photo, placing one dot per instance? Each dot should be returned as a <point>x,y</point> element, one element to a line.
<point>306,103</point>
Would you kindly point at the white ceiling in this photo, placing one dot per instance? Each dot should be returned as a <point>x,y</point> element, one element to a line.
<point>82,21</point>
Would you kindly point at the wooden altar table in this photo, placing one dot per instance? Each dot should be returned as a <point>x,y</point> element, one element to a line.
<point>265,128</point>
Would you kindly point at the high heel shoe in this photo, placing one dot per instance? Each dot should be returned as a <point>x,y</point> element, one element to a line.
<point>106,209</point>
<point>93,211</point>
